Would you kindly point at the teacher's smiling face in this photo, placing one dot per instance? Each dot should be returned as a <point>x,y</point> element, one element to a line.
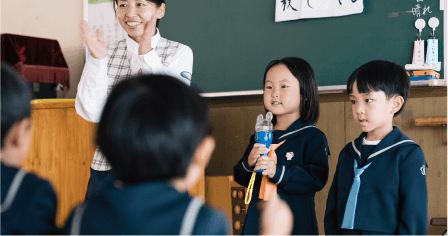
<point>136,15</point>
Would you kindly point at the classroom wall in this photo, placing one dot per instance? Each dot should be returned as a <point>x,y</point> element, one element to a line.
<point>55,19</point>
<point>234,122</point>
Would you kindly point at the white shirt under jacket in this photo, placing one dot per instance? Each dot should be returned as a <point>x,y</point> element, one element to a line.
<point>122,61</point>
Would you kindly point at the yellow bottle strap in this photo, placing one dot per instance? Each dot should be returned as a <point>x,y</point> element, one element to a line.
<point>250,188</point>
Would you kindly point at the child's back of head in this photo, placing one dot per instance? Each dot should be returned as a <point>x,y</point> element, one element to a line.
<point>150,128</point>
<point>154,131</point>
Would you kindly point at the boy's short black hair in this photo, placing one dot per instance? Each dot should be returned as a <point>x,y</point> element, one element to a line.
<point>379,75</point>
<point>157,2</point>
<point>150,128</point>
<point>15,96</point>
<point>304,73</point>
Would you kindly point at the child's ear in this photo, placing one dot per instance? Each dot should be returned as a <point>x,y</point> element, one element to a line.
<point>24,133</point>
<point>161,11</point>
<point>204,151</point>
<point>17,142</point>
<point>397,103</point>
<point>11,137</point>
<point>200,160</point>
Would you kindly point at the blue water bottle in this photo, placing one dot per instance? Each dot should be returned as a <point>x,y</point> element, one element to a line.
<point>263,132</point>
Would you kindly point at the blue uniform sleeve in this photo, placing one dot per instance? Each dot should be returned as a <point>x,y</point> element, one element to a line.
<point>241,171</point>
<point>413,192</point>
<point>211,222</point>
<point>331,216</point>
<point>312,176</point>
<point>41,212</point>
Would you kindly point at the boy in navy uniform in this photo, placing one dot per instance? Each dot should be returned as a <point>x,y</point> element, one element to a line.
<point>380,182</point>
<point>155,133</point>
<point>28,203</point>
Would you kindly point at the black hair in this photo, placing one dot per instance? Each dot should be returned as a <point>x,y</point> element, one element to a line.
<point>309,100</point>
<point>383,76</point>
<point>15,96</point>
<point>157,2</point>
<point>150,128</point>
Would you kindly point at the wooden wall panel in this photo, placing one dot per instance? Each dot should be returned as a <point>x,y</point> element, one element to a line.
<point>332,123</point>
<point>61,151</point>
<point>232,128</point>
<point>433,142</point>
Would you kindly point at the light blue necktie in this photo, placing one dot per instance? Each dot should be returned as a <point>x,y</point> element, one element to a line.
<point>350,208</point>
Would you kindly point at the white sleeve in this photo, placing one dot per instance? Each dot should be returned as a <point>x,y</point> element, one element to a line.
<point>182,61</point>
<point>92,89</point>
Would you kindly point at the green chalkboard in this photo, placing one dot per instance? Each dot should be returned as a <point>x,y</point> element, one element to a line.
<point>234,40</point>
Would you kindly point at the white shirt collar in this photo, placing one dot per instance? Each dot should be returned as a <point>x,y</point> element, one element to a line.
<point>133,46</point>
<point>367,142</point>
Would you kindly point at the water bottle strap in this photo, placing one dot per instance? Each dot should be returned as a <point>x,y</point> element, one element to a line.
<point>250,188</point>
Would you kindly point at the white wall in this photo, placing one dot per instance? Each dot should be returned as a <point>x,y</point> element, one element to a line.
<point>55,19</point>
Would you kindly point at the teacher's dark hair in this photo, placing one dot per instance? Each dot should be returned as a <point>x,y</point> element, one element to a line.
<point>157,2</point>
<point>303,72</point>
<point>15,96</point>
<point>150,128</point>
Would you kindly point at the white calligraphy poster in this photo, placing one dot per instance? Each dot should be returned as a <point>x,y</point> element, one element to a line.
<point>301,9</point>
<point>101,15</point>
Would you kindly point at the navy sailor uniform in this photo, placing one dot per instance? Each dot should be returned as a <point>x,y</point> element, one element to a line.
<point>28,203</point>
<point>146,208</point>
<point>392,198</point>
<point>302,170</point>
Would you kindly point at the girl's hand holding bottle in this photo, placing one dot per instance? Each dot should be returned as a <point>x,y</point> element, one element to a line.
<point>267,164</point>
<point>256,152</point>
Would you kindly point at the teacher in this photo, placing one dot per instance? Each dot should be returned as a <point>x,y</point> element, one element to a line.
<point>142,51</point>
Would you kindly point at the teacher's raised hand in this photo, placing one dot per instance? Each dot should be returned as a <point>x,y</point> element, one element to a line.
<point>96,44</point>
<point>145,39</point>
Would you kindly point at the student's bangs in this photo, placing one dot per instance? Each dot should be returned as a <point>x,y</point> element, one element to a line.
<point>378,76</point>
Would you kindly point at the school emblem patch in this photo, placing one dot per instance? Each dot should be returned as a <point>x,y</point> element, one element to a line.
<point>289,155</point>
<point>423,170</point>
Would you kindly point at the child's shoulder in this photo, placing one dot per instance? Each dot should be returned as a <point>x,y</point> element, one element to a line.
<point>23,179</point>
<point>211,221</point>
<point>309,132</point>
<point>35,184</point>
<point>396,141</point>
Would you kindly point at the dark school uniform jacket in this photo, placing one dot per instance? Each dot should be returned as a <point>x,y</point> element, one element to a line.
<point>393,196</point>
<point>147,208</point>
<point>297,179</point>
<point>31,209</point>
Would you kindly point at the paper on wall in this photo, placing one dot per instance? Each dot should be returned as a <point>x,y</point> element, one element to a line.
<point>301,9</point>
